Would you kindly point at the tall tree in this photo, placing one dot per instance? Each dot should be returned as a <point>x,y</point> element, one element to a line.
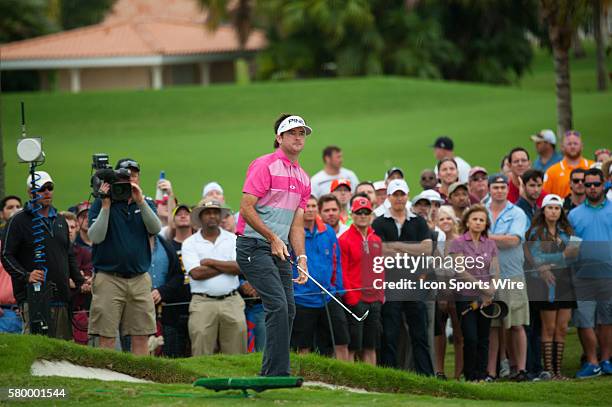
<point>240,13</point>
<point>309,38</point>
<point>561,18</point>
<point>491,37</point>
<point>79,13</point>
<point>598,8</point>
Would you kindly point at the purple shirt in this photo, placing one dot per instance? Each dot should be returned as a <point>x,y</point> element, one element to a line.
<point>282,187</point>
<point>485,252</point>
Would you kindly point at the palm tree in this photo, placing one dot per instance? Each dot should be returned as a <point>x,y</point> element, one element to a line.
<point>598,7</point>
<point>561,17</point>
<point>241,15</point>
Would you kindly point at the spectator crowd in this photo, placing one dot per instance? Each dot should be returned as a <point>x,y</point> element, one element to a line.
<point>161,276</point>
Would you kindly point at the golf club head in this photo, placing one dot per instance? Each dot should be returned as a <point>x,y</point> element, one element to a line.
<point>364,316</point>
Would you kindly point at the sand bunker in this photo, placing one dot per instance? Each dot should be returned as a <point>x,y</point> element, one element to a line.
<point>335,387</point>
<point>67,369</point>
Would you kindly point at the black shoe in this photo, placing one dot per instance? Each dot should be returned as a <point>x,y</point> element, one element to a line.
<point>489,379</point>
<point>521,376</point>
<point>441,376</point>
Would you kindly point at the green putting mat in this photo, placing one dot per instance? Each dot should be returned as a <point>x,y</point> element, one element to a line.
<point>257,384</point>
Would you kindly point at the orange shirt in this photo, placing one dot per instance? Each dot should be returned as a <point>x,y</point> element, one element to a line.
<point>557,177</point>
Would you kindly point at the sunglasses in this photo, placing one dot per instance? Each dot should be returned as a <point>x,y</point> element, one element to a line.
<point>573,133</point>
<point>46,187</point>
<point>476,179</point>
<point>577,181</point>
<point>362,212</point>
<point>593,184</point>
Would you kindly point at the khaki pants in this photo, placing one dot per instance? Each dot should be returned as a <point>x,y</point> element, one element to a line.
<point>217,321</point>
<point>60,326</point>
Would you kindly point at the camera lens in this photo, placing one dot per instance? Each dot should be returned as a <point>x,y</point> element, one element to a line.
<point>121,191</point>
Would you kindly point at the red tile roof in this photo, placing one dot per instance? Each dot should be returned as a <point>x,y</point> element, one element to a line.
<point>179,9</point>
<point>130,38</point>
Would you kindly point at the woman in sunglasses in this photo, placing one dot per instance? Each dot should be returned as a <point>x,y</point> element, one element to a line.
<point>549,237</point>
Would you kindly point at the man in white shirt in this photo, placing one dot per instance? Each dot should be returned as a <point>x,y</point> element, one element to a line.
<point>443,148</point>
<point>320,183</point>
<point>216,311</point>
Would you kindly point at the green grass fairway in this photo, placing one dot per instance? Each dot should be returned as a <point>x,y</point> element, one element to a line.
<point>174,377</point>
<point>201,134</point>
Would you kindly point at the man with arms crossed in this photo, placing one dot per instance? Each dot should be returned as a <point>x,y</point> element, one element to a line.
<point>508,228</point>
<point>275,194</point>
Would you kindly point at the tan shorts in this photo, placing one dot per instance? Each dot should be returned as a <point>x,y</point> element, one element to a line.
<point>121,302</point>
<point>518,306</point>
<point>221,322</point>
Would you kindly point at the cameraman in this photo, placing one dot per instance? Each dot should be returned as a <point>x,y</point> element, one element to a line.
<point>119,231</point>
<point>18,254</point>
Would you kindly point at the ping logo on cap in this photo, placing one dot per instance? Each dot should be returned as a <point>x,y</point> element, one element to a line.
<point>295,120</point>
<point>292,122</point>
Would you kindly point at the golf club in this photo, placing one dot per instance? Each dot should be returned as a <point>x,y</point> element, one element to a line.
<point>364,316</point>
<point>496,308</point>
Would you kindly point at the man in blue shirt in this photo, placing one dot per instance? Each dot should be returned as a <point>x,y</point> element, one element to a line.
<point>316,312</point>
<point>592,222</point>
<point>119,231</point>
<point>545,141</point>
<point>508,227</point>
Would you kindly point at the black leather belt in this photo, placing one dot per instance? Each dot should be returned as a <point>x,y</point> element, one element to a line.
<point>217,297</point>
<point>11,307</point>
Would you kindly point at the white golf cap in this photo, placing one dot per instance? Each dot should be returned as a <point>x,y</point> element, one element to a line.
<point>211,186</point>
<point>397,185</point>
<point>40,177</point>
<point>379,185</point>
<point>429,195</point>
<point>546,135</point>
<point>292,122</point>
<point>552,199</point>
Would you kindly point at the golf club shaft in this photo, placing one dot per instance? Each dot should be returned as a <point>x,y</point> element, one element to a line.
<point>325,290</point>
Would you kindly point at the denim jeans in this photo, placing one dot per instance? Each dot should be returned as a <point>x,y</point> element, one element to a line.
<point>256,325</point>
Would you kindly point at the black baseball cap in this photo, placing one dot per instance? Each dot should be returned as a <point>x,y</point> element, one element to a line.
<point>392,170</point>
<point>127,163</point>
<point>498,178</point>
<point>444,142</point>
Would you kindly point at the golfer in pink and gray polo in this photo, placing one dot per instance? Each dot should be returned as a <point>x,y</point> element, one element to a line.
<point>275,193</point>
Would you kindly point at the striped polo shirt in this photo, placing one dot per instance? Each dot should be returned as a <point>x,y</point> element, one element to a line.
<point>282,187</point>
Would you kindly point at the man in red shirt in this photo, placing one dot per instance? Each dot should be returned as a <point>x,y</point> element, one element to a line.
<point>359,245</point>
<point>519,161</point>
